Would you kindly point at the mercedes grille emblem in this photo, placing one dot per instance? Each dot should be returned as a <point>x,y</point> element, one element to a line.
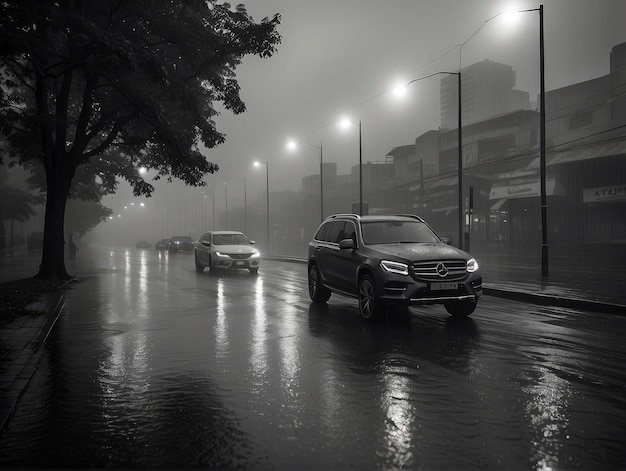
<point>442,270</point>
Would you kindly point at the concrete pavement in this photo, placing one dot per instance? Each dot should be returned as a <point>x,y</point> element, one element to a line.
<point>568,286</point>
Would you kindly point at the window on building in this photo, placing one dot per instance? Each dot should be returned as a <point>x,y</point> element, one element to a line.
<point>580,120</point>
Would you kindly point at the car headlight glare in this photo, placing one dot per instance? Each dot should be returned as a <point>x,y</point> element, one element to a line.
<point>255,255</point>
<point>472,265</point>
<point>395,267</point>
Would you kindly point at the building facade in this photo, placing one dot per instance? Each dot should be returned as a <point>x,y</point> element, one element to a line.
<point>585,157</point>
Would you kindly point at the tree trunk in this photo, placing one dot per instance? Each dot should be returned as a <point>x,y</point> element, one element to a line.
<point>53,256</point>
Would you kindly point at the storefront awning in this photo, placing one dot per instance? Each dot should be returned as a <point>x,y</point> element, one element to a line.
<point>498,204</point>
<point>592,151</point>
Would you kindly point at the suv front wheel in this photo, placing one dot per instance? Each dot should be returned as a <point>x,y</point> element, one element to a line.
<point>370,306</point>
<point>317,291</point>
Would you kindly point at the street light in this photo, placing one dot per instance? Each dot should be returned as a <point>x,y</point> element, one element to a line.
<point>226,202</point>
<point>542,145</point>
<point>267,181</point>
<point>293,145</point>
<point>459,144</point>
<point>542,131</point>
<point>245,205</point>
<point>345,123</point>
<point>245,202</point>
<point>204,195</point>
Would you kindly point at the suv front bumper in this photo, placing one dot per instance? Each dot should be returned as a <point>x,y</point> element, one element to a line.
<point>406,290</point>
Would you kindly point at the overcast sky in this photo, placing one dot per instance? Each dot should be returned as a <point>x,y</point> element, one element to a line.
<point>337,57</point>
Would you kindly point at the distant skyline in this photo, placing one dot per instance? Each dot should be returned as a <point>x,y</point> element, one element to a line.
<point>338,57</point>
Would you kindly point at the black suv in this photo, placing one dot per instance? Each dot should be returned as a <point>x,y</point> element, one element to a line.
<point>383,260</point>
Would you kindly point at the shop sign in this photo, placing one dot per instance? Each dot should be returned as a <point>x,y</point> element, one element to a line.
<point>605,193</point>
<point>521,190</point>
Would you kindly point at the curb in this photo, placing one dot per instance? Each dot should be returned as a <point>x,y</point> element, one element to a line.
<point>31,360</point>
<point>554,300</point>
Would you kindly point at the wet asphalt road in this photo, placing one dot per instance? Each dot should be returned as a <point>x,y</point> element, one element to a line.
<point>154,365</point>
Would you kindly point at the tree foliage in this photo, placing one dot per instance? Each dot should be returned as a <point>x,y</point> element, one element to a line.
<point>92,90</point>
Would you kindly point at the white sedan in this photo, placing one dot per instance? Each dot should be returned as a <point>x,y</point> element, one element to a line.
<point>226,249</point>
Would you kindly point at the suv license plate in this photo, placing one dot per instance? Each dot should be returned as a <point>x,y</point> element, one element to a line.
<point>443,286</point>
<point>239,263</point>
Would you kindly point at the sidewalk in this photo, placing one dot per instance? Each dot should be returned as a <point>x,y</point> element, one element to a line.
<point>594,283</point>
<point>573,285</point>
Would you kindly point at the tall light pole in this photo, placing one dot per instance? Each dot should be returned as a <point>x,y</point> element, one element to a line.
<point>245,202</point>
<point>345,123</point>
<point>267,182</point>
<point>293,145</point>
<point>460,148</point>
<point>542,132</point>
<point>212,195</point>
<point>245,206</point>
<point>226,202</point>
<point>542,146</point>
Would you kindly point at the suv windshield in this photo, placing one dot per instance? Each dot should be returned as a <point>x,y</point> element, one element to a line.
<point>394,232</point>
<point>230,239</point>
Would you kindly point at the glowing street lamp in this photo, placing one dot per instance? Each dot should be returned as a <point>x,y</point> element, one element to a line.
<point>293,145</point>
<point>542,127</point>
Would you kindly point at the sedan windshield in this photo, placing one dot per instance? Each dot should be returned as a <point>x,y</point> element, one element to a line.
<point>395,232</point>
<point>230,239</point>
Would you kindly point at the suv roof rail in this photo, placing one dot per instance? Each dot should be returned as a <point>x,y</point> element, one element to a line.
<point>414,216</point>
<point>343,215</point>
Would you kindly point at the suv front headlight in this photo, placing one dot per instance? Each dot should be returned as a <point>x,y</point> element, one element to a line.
<point>395,267</point>
<point>472,265</point>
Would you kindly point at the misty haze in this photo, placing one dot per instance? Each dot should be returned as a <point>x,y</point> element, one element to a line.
<point>319,234</point>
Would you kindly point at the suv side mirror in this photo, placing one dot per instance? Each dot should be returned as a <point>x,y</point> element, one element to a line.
<point>206,243</point>
<point>346,244</point>
<point>446,240</point>
<point>252,242</point>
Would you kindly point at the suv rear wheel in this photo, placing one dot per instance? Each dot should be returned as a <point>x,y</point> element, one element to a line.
<point>318,292</point>
<point>370,306</point>
<point>460,308</point>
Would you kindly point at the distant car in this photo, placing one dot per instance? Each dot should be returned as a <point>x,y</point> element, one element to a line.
<point>143,245</point>
<point>163,244</point>
<point>35,241</point>
<point>226,249</point>
<point>181,244</point>
<point>383,260</point>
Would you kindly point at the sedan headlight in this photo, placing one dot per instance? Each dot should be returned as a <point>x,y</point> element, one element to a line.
<point>472,265</point>
<point>395,267</point>
<point>255,255</point>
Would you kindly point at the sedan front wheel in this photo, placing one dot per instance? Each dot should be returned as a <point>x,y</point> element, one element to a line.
<point>199,266</point>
